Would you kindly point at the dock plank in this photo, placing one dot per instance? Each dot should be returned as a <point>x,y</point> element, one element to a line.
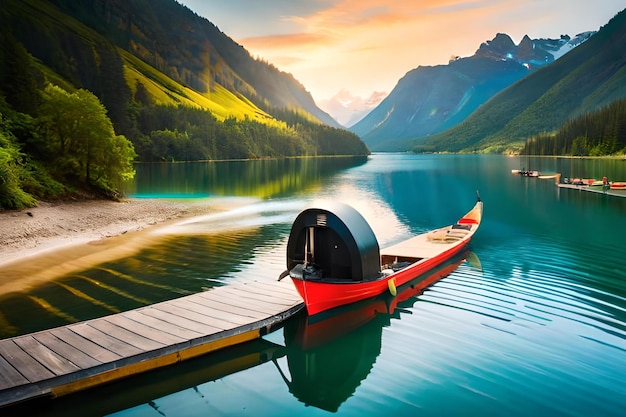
<point>9,376</point>
<point>247,295</point>
<point>66,351</point>
<point>244,293</point>
<point>252,295</point>
<point>612,191</point>
<point>28,366</point>
<point>225,319</point>
<point>141,329</point>
<point>277,290</point>
<point>182,322</point>
<point>165,326</point>
<point>221,303</point>
<point>232,300</point>
<point>236,299</point>
<point>180,310</point>
<point>105,340</point>
<point>86,346</point>
<point>55,363</point>
<point>125,336</point>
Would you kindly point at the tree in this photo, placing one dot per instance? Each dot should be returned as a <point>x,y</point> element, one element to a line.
<point>20,81</point>
<point>82,144</point>
<point>12,196</point>
<point>580,146</point>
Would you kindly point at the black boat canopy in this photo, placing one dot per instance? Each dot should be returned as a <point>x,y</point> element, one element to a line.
<point>335,239</point>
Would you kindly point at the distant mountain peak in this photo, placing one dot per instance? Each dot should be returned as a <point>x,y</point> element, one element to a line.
<point>498,47</point>
<point>348,109</point>
<point>429,99</point>
<point>529,51</point>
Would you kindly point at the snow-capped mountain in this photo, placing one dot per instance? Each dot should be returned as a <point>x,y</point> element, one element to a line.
<point>430,99</point>
<point>530,52</point>
<point>348,109</point>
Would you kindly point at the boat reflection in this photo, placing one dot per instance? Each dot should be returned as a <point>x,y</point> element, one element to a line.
<point>330,353</point>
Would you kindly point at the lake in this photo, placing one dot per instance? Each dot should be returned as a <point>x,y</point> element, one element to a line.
<point>535,325</point>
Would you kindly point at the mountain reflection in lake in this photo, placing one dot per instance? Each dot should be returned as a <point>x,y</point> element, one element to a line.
<point>538,329</point>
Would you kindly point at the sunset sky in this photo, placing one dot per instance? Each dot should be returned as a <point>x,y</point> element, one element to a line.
<point>367,45</point>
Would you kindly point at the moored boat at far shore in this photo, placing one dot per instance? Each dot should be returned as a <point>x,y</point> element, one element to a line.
<point>604,186</point>
<point>525,173</point>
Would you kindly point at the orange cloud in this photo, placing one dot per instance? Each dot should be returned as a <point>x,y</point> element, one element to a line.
<point>367,45</point>
<point>286,41</point>
<point>361,40</point>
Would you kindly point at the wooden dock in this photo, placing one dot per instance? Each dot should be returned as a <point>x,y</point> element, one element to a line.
<point>613,192</point>
<point>78,356</point>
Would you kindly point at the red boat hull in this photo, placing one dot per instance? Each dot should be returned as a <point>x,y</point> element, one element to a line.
<point>324,328</point>
<point>322,296</point>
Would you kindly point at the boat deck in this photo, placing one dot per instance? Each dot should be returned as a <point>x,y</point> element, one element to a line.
<point>433,243</point>
<point>425,245</point>
<point>63,360</point>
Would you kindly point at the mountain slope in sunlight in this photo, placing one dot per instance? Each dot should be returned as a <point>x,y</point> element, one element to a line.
<point>181,57</point>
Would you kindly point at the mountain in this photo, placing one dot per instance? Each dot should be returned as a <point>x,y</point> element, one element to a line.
<point>348,109</point>
<point>191,49</point>
<point>162,42</point>
<point>586,79</point>
<point>430,99</point>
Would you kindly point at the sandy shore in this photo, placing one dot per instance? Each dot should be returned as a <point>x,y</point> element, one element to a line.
<point>50,227</point>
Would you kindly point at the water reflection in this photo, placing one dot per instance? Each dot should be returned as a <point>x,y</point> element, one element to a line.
<point>259,178</point>
<point>168,266</point>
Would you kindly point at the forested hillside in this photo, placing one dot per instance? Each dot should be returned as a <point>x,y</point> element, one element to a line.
<point>590,77</point>
<point>137,88</point>
<point>599,133</point>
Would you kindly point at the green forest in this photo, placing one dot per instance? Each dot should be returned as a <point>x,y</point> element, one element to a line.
<point>77,128</point>
<point>598,133</point>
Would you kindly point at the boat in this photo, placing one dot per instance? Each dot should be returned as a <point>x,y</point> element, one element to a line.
<point>525,173</point>
<point>330,354</point>
<point>333,256</point>
<point>591,183</point>
<point>549,176</point>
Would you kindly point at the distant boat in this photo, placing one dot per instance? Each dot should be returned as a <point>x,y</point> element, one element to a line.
<point>548,176</point>
<point>333,257</point>
<point>583,182</point>
<point>525,173</point>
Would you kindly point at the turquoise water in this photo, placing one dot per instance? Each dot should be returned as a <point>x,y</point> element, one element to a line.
<point>535,327</point>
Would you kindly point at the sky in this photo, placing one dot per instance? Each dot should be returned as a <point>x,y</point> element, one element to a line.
<point>366,46</point>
